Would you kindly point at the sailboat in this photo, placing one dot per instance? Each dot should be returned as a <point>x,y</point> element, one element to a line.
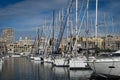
<point>62,61</point>
<point>48,58</point>
<point>37,55</point>
<point>78,61</point>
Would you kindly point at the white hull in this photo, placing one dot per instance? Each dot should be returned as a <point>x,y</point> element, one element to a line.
<point>15,55</point>
<point>37,58</point>
<point>78,62</point>
<point>48,60</point>
<point>106,67</point>
<point>24,53</point>
<point>31,58</point>
<point>61,62</point>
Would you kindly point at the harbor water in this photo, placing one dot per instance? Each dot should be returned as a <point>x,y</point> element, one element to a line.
<point>24,69</point>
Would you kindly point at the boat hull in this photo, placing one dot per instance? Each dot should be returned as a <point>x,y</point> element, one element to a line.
<point>108,67</point>
<point>78,63</point>
<point>15,55</point>
<point>38,58</point>
<point>62,62</point>
<point>48,60</point>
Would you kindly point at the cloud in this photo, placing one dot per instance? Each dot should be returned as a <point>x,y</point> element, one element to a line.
<point>29,11</point>
<point>28,14</point>
<point>30,8</point>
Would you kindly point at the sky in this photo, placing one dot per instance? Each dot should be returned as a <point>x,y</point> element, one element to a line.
<point>24,16</point>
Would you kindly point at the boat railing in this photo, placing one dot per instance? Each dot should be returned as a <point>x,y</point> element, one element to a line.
<point>104,55</point>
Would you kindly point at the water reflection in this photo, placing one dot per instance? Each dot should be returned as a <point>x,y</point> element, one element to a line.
<point>1,63</point>
<point>80,74</point>
<point>16,69</point>
<point>24,69</point>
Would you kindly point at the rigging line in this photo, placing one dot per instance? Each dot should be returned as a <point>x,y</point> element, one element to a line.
<point>70,5</point>
<point>48,38</point>
<point>63,28</point>
<point>94,61</point>
<point>82,22</point>
<point>81,8</point>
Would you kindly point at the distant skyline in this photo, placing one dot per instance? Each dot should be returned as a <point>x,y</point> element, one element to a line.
<point>26,15</point>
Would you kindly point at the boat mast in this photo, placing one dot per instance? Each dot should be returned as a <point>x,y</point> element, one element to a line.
<point>53,34</point>
<point>38,37</point>
<point>76,23</point>
<point>87,25</point>
<point>96,25</point>
<point>68,21</point>
<point>106,32</point>
<point>70,27</point>
<point>113,33</point>
<point>44,35</point>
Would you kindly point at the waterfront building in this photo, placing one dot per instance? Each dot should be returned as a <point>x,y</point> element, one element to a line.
<point>23,45</point>
<point>28,45</point>
<point>112,43</point>
<point>116,42</point>
<point>3,47</point>
<point>8,35</point>
<point>7,38</point>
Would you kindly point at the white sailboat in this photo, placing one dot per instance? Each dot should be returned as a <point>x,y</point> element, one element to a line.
<point>48,57</point>
<point>79,61</point>
<point>61,61</point>
<point>37,55</point>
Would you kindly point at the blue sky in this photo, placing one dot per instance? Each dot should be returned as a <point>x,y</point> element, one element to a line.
<point>25,15</point>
